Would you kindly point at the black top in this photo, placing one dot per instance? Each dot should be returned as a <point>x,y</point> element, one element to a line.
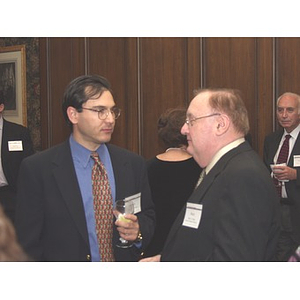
<point>171,185</point>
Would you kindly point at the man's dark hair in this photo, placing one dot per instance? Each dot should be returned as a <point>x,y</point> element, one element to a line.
<point>81,89</point>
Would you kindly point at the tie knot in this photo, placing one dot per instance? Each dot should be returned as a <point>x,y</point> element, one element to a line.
<point>95,156</point>
<point>288,136</point>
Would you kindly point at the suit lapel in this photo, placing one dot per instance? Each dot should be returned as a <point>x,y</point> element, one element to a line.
<point>295,151</point>
<point>120,168</point>
<point>6,132</point>
<point>65,176</point>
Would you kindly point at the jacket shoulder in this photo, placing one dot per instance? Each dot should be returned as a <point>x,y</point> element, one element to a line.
<point>116,150</point>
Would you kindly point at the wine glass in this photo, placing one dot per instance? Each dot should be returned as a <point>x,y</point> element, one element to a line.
<point>275,172</point>
<point>121,209</point>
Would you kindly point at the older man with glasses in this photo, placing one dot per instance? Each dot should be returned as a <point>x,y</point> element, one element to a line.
<point>233,214</point>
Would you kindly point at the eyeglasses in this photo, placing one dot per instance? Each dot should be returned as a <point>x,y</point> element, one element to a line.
<point>104,112</point>
<point>190,122</point>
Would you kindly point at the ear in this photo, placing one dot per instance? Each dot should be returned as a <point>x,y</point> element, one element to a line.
<point>1,108</point>
<point>223,123</point>
<point>72,114</point>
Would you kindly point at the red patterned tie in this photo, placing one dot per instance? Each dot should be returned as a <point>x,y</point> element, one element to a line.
<point>103,208</point>
<point>282,158</point>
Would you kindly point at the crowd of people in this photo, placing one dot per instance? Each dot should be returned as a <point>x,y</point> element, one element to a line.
<point>207,197</point>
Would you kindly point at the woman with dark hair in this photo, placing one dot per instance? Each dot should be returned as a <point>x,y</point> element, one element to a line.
<point>173,175</point>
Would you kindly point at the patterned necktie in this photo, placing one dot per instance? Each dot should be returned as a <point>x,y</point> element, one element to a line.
<point>282,158</point>
<point>103,208</point>
<point>201,177</point>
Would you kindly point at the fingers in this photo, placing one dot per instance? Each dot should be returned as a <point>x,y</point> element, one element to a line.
<point>155,258</point>
<point>128,230</point>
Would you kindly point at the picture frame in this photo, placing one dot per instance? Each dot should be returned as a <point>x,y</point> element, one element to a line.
<point>13,83</point>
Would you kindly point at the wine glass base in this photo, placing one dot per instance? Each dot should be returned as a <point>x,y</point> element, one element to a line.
<point>124,243</point>
<point>124,246</point>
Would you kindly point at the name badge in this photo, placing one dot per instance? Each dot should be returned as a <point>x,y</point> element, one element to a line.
<point>15,146</point>
<point>192,215</point>
<point>296,160</point>
<point>136,200</point>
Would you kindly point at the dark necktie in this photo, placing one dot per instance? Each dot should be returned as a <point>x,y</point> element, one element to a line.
<point>103,208</point>
<point>282,158</point>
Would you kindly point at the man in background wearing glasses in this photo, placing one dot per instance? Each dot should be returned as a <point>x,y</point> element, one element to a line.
<point>56,217</point>
<point>233,214</point>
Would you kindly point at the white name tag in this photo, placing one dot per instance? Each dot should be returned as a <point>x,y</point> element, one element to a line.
<point>192,216</point>
<point>296,160</point>
<point>15,146</point>
<point>136,200</point>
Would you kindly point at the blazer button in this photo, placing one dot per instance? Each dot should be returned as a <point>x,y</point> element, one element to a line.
<point>88,257</point>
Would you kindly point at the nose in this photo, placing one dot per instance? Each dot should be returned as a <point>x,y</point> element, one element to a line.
<point>184,129</point>
<point>284,114</point>
<point>110,117</point>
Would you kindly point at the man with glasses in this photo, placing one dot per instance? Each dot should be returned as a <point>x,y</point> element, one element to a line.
<point>66,193</point>
<point>233,214</point>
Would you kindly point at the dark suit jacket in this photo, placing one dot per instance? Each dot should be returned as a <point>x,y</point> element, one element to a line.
<point>11,160</point>
<point>50,219</point>
<point>271,145</point>
<point>240,214</point>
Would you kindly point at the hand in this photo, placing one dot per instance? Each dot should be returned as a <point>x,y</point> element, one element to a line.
<point>284,173</point>
<point>155,258</point>
<point>128,229</point>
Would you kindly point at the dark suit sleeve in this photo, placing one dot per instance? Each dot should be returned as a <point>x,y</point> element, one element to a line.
<point>30,210</point>
<point>147,215</point>
<point>131,178</point>
<point>266,154</point>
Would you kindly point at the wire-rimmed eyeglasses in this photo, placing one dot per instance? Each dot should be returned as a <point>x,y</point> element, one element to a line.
<point>190,122</point>
<point>104,112</point>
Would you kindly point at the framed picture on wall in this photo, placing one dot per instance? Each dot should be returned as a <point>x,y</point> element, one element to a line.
<point>13,83</point>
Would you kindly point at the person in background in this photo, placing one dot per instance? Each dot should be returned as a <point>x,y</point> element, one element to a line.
<point>173,175</point>
<point>66,193</point>
<point>286,177</point>
<point>233,215</point>
<point>10,250</point>
<point>15,145</point>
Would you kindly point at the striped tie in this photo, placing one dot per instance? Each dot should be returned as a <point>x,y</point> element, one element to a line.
<point>103,208</point>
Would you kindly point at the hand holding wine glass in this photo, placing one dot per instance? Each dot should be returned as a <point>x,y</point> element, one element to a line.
<point>121,209</point>
<point>279,172</point>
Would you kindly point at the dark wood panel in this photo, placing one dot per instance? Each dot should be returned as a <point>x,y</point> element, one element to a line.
<point>149,75</point>
<point>231,63</point>
<point>63,60</point>
<point>288,65</point>
<point>116,59</point>
<point>194,66</point>
<point>265,92</point>
<point>164,84</point>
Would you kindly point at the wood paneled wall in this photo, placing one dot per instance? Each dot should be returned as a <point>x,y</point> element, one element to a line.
<point>149,75</point>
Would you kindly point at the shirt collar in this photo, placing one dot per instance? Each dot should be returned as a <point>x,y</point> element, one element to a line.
<point>223,151</point>
<point>82,154</point>
<point>294,133</point>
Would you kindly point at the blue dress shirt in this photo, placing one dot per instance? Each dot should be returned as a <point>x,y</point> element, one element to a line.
<point>83,163</point>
